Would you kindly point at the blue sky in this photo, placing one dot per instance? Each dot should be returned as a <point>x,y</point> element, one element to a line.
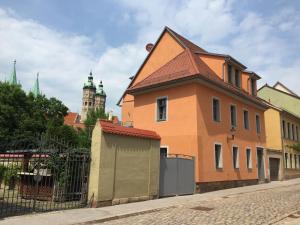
<point>63,40</point>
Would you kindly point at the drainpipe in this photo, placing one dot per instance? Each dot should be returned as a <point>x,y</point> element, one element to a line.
<point>283,149</point>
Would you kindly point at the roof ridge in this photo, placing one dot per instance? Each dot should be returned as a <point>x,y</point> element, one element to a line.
<point>191,56</point>
<point>184,41</point>
<point>279,83</point>
<point>164,65</point>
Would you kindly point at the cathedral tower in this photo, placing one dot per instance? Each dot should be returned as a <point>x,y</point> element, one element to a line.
<point>100,97</point>
<point>88,98</point>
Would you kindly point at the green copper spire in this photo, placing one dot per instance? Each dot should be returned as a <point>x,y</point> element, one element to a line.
<point>100,90</point>
<point>89,83</point>
<point>36,87</point>
<point>13,75</point>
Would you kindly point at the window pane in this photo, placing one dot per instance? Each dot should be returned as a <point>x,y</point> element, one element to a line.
<point>163,152</point>
<point>237,78</point>
<point>258,124</point>
<point>161,109</point>
<point>283,128</point>
<point>246,119</point>
<point>289,131</point>
<point>216,110</point>
<point>235,157</point>
<point>233,115</point>
<point>230,80</point>
<point>248,154</point>
<point>218,156</point>
<point>253,87</point>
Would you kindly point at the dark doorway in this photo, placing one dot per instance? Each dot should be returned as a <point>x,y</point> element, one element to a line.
<point>274,168</point>
<point>260,163</point>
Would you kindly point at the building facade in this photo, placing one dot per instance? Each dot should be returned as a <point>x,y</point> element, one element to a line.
<point>92,98</point>
<point>203,105</point>
<point>282,128</point>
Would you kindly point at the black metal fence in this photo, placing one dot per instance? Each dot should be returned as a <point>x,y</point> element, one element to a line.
<point>47,175</point>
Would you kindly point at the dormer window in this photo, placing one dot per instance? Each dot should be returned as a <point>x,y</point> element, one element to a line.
<point>234,76</point>
<point>237,77</point>
<point>253,86</point>
<point>230,77</point>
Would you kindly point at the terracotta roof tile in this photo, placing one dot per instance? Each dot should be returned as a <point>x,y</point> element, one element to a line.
<point>109,127</point>
<point>186,42</point>
<point>187,65</point>
<point>180,66</point>
<point>72,119</point>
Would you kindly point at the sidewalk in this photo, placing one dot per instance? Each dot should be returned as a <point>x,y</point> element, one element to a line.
<point>85,215</point>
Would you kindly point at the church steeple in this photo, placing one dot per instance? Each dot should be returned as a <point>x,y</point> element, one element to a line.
<point>13,75</point>
<point>36,87</point>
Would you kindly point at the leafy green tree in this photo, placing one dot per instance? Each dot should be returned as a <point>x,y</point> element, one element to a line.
<point>24,117</point>
<point>296,147</point>
<point>14,110</point>
<point>91,119</point>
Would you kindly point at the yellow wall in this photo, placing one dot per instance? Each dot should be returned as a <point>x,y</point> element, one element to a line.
<point>273,129</point>
<point>123,168</point>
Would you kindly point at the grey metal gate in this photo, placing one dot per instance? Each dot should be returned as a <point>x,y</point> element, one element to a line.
<point>177,175</point>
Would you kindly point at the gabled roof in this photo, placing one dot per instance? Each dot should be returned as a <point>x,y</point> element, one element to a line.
<point>182,66</point>
<point>185,42</point>
<point>289,91</point>
<point>72,119</point>
<point>187,66</point>
<point>109,127</point>
<point>181,40</point>
<point>283,92</point>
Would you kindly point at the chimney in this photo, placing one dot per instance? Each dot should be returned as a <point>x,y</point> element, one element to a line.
<point>149,47</point>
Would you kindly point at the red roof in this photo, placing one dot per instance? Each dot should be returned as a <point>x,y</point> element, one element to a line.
<point>72,119</point>
<point>187,65</point>
<point>109,127</point>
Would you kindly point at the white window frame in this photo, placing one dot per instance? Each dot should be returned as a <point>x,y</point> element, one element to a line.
<point>164,146</point>
<point>156,109</point>
<point>244,119</point>
<point>237,157</point>
<point>250,159</point>
<point>236,117</point>
<point>212,107</point>
<point>221,156</point>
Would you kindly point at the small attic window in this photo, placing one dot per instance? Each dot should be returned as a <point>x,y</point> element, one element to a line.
<point>253,86</point>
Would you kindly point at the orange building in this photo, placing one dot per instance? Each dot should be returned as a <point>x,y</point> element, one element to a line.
<point>204,105</point>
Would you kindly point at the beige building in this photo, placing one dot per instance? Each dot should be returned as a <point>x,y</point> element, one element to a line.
<point>124,166</point>
<point>282,129</point>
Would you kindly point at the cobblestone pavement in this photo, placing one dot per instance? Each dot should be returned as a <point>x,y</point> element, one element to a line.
<point>261,207</point>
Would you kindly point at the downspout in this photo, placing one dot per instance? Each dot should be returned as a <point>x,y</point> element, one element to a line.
<point>283,149</point>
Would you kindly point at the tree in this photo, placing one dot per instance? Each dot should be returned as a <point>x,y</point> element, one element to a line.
<point>91,119</point>
<point>14,111</point>
<point>23,117</point>
<point>296,147</point>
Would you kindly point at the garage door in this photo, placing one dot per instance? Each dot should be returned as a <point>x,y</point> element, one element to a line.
<point>274,168</point>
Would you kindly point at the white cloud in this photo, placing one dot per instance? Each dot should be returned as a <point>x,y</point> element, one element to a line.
<point>62,60</point>
<point>267,45</point>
